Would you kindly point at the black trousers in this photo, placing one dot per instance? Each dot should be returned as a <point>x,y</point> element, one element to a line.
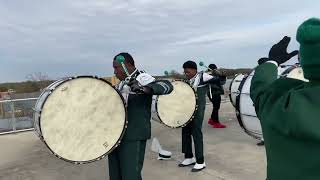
<point>216,101</point>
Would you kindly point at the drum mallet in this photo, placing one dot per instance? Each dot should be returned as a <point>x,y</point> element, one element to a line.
<point>202,64</point>
<point>120,59</point>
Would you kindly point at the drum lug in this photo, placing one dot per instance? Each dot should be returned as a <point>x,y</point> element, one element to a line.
<point>46,89</point>
<point>36,111</point>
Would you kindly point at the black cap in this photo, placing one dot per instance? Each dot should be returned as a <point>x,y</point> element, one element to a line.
<point>212,66</point>
<point>190,64</point>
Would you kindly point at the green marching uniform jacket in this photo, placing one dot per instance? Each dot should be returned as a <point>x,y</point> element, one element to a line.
<point>199,84</point>
<point>126,161</point>
<point>201,88</point>
<point>139,109</point>
<point>289,111</point>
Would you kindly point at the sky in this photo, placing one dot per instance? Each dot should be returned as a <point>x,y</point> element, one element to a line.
<point>79,37</point>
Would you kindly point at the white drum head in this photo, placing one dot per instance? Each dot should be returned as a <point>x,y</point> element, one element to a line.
<point>177,108</point>
<point>41,99</point>
<point>83,119</point>
<point>297,73</point>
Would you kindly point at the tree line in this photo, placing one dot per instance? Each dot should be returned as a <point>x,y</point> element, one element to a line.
<point>37,81</point>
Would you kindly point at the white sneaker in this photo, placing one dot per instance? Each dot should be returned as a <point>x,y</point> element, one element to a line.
<point>164,155</point>
<point>187,162</point>
<point>198,167</point>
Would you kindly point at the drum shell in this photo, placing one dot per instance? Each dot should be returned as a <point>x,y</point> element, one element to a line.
<point>245,110</point>
<point>234,88</point>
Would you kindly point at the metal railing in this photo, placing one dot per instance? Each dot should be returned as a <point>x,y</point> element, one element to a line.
<point>16,115</point>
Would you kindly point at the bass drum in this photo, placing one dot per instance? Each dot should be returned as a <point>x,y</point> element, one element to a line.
<point>245,111</point>
<point>176,109</point>
<point>234,88</point>
<point>80,119</point>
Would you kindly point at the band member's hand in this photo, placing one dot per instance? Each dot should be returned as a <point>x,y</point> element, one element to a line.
<point>135,87</point>
<point>278,52</point>
<point>263,60</point>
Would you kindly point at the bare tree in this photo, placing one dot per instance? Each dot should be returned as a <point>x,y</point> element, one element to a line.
<point>39,77</point>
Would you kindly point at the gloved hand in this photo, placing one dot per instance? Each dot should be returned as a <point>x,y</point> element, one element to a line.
<point>263,60</point>
<point>135,87</point>
<point>278,52</point>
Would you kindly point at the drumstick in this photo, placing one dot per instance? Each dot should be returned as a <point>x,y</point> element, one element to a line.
<point>121,60</point>
<point>202,64</point>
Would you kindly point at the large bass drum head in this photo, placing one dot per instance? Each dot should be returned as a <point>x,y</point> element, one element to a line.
<point>83,119</point>
<point>177,108</point>
<point>297,73</point>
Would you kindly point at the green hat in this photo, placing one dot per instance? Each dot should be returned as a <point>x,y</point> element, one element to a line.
<point>308,35</point>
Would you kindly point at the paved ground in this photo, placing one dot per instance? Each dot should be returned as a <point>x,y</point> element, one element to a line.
<point>230,154</point>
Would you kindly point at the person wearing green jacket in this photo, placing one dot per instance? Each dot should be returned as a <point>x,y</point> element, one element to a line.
<point>137,88</point>
<point>199,81</point>
<point>289,109</point>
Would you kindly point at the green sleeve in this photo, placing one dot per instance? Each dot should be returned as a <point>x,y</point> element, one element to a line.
<point>161,87</point>
<point>264,76</point>
<point>284,103</point>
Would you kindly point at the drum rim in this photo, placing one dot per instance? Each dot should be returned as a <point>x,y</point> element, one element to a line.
<point>193,114</point>
<point>49,93</point>
<point>230,94</point>
<point>48,90</point>
<point>105,154</point>
<point>238,113</point>
<point>230,97</point>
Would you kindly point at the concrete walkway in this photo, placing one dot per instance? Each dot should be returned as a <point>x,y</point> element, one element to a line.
<point>230,154</point>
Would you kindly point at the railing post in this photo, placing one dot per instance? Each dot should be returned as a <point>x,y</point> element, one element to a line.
<point>14,127</point>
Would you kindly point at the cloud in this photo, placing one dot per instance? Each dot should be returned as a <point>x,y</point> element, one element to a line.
<point>66,37</point>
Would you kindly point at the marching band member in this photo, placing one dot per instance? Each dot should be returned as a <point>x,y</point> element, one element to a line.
<point>289,109</point>
<point>199,81</point>
<point>137,88</point>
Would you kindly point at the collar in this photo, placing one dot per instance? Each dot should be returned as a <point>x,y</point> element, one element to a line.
<point>133,75</point>
<point>134,72</point>
<point>193,78</point>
